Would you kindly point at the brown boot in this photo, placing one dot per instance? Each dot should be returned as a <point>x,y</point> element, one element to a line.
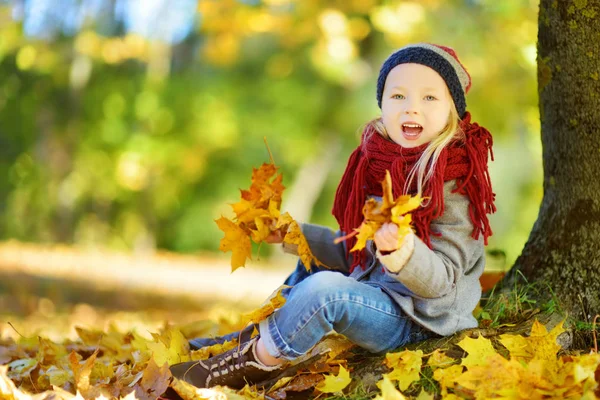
<point>234,368</point>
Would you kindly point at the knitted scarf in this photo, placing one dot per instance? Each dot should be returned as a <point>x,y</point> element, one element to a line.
<point>462,160</point>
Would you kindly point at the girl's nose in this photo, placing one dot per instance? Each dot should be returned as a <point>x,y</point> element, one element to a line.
<point>411,107</point>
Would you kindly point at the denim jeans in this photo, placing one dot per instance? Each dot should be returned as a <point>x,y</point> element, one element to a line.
<point>323,301</point>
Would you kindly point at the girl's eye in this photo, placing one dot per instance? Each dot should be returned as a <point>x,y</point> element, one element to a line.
<point>397,96</point>
<point>430,98</point>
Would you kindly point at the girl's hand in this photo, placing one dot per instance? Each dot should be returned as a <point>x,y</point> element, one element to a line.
<point>386,237</point>
<point>275,237</point>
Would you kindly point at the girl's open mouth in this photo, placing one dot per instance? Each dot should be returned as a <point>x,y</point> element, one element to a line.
<point>411,131</point>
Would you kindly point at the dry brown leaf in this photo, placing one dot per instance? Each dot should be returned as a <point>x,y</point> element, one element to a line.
<point>298,383</point>
<point>155,380</point>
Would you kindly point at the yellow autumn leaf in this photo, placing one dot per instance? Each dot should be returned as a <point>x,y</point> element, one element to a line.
<point>236,241</point>
<point>57,376</point>
<point>544,342</point>
<point>439,359</point>
<point>389,391</point>
<point>423,395</point>
<point>406,367</point>
<point>273,302</point>
<point>517,346</point>
<point>485,379</point>
<point>478,350</point>
<point>284,220</point>
<point>170,347</point>
<point>366,231</point>
<point>295,236</point>
<point>82,372</point>
<point>335,383</point>
<point>211,351</point>
<point>405,204</point>
<point>261,232</point>
<point>446,377</point>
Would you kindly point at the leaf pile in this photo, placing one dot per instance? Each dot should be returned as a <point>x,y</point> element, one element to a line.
<point>258,216</point>
<point>529,369</point>
<point>388,210</point>
<point>126,365</point>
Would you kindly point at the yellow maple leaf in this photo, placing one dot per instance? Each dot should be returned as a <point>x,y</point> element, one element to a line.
<point>406,367</point>
<point>388,390</point>
<point>268,307</point>
<point>170,347</point>
<point>517,346</point>
<point>335,383</point>
<point>478,350</point>
<point>236,241</point>
<point>544,342</point>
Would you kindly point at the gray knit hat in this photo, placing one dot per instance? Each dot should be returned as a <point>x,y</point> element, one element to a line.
<point>441,59</point>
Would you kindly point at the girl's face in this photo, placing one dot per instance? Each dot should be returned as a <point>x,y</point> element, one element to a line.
<point>415,104</point>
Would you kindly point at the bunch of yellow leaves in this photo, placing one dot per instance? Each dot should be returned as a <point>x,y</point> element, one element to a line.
<point>258,217</point>
<point>388,210</point>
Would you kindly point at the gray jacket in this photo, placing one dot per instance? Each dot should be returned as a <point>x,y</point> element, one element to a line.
<point>438,288</point>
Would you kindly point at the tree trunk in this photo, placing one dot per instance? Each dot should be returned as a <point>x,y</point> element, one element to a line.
<point>563,249</point>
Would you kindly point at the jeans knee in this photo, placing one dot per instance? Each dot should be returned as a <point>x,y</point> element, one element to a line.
<point>326,285</point>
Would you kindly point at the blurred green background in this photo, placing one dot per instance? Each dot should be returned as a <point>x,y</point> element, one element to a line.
<point>131,125</point>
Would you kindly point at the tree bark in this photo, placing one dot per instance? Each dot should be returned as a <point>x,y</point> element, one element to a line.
<point>563,249</point>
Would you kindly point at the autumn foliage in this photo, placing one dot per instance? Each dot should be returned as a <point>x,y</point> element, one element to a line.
<point>113,364</point>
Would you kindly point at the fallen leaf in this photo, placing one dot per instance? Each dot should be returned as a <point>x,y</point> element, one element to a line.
<point>273,302</point>
<point>335,383</point>
<point>478,350</point>
<point>439,359</point>
<point>389,391</point>
<point>446,377</point>
<point>81,372</point>
<point>155,380</point>
<point>406,367</point>
<point>211,351</point>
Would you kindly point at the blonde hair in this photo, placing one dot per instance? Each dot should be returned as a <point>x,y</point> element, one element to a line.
<point>424,167</point>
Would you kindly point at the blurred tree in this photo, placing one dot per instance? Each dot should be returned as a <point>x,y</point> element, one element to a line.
<point>134,127</point>
<point>562,249</point>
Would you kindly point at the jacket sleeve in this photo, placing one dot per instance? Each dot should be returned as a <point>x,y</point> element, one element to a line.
<point>432,273</point>
<point>320,241</point>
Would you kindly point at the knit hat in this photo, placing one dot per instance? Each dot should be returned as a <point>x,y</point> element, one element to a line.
<point>441,59</point>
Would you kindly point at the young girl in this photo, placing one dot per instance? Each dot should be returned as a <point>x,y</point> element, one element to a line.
<point>387,295</point>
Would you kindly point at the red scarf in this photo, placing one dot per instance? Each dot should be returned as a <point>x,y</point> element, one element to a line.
<point>463,160</point>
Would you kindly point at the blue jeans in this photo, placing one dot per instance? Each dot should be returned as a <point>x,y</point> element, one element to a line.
<point>323,301</point>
